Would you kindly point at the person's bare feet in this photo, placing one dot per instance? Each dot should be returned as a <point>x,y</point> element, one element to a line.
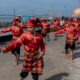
<point>20,79</point>
<point>67,56</point>
<point>71,60</point>
<point>16,64</point>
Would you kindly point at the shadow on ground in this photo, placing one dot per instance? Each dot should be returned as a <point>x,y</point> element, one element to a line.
<point>59,35</point>
<point>76,55</point>
<point>58,76</point>
<point>78,43</point>
<point>77,47</point>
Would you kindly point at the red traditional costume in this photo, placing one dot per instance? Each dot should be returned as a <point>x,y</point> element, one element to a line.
<point>45,27</point>
<point>71,33</point>
<point>55,26</point>
<point>16,31</point>
<point>31,45</point>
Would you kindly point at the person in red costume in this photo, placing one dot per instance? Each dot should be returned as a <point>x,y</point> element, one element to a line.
<point>17,30</point>
<point>45,29</point>
<point>38,25</point>
<point>75,23</point>
<point>71,35</point>
<point>55,27</point>
<point>35,49</point>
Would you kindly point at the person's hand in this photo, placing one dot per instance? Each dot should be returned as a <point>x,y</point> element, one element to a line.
<point>40,55</point>
<point>2,50</point>
<point>54,33</point>
<point>15,38</point>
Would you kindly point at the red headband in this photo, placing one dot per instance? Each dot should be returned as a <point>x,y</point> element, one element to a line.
<point>17,19</point>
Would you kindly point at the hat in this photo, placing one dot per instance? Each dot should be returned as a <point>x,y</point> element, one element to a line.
<point>74,19</point>
<point>44,19</point>
<point>31,22</point>
<point>17,19</point>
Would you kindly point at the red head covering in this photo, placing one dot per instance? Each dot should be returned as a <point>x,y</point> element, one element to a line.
<point>69,19</point>
<point>74,19</point>
<point>54,19</point>
<point>78,19</point>
<point>31,22</point>
<point>38,20</point>
<point>17,19</point>
<point>44,19</point>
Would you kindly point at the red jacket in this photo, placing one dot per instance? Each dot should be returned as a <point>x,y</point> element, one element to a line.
<point>55,25</point>
<point>71,33</point>
<point>16,31</point>
<point>45,27</point>
<point>29,43</point>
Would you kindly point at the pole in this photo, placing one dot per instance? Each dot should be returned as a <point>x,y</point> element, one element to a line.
<point>14,12</point>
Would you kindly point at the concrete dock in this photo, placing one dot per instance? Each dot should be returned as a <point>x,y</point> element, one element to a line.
<point>57,67</point>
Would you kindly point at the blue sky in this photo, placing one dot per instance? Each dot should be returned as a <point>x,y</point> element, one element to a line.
<point>39,7</point>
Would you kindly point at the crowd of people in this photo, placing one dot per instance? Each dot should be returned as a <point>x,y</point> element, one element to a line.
<point>34,37</point>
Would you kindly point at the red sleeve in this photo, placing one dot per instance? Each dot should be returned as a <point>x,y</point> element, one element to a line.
<point>6,30</point>
<point>21,29</point>
<point>23,26</point>
<point>61,31</point>
<point>62,27</point>
<point>42,46</point>
<point>77,34</point>
<point>14,44</point>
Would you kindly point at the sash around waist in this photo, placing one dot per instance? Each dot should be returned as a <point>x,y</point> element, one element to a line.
<point>35,51</point>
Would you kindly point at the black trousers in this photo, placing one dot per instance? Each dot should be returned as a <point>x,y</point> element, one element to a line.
<point>35,76</point>
<point>16,50</point>
<point>67,46</point>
